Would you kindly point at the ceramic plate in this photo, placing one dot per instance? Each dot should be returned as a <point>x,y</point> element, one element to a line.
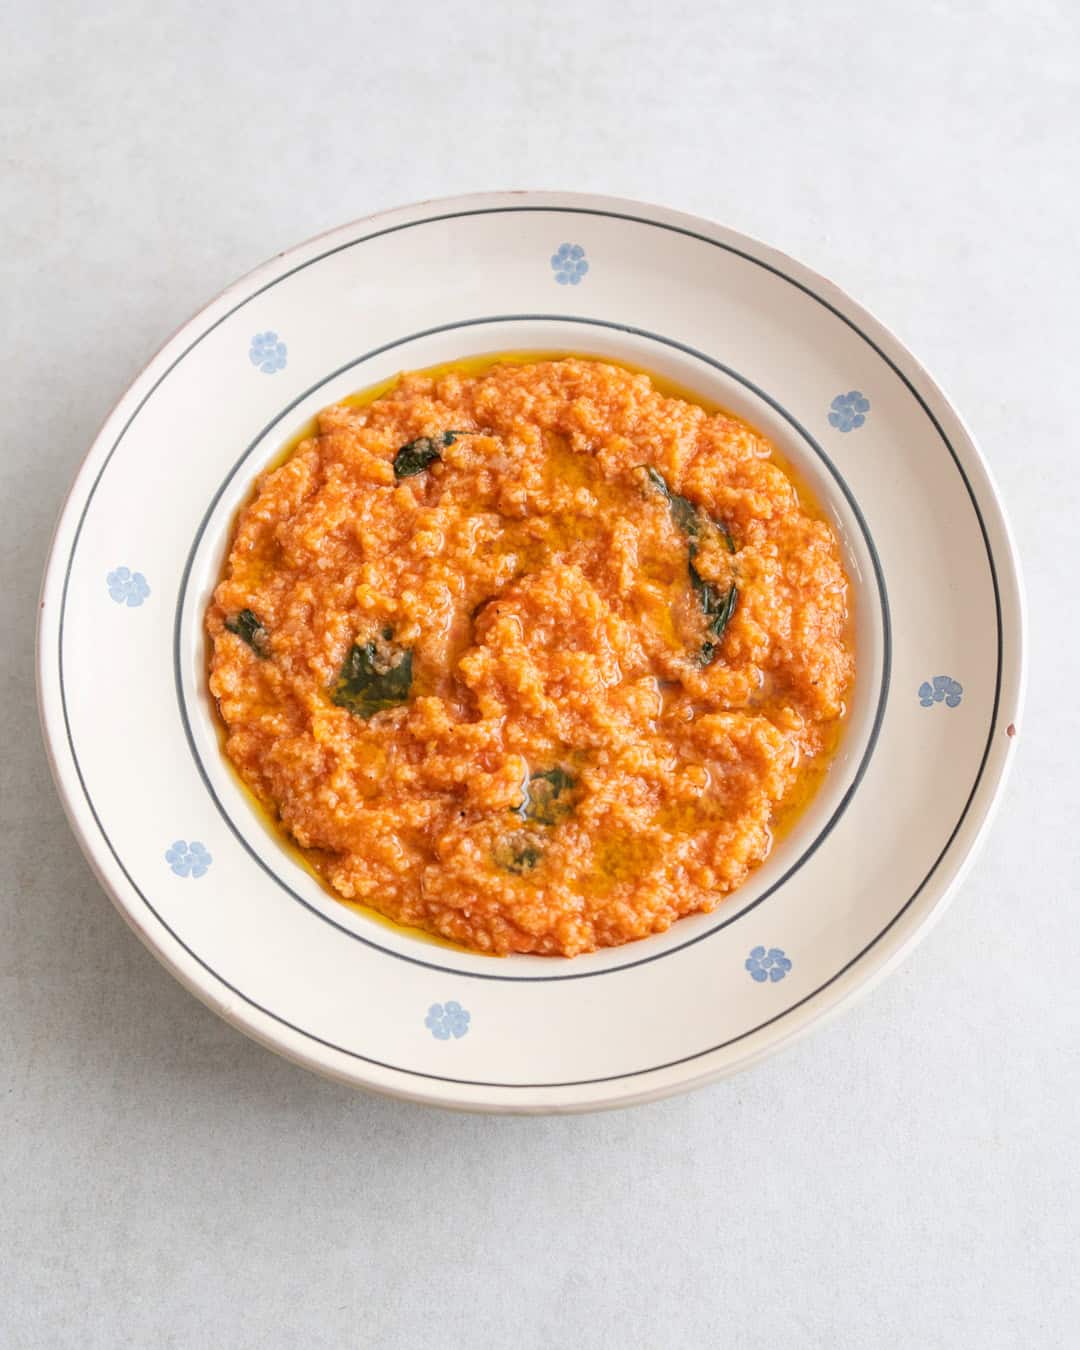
<point>198,875</point>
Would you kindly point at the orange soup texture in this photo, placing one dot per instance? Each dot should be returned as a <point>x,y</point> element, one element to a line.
<point>531,656</point>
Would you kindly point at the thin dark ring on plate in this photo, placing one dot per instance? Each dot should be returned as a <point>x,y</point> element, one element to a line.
<point>811,848</point>
<point>675,229</point>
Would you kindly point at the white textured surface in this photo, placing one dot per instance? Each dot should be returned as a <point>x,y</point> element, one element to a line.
<point>906,1177</point>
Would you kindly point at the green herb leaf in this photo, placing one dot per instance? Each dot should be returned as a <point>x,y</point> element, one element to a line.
<point>516,853</point>
<point>657,479</point>
<point>544,801</point>
<point>683,511</point>
<point>718,606</point>
<point>249,627</point>
<point>375,677</point>
<point>691,519</point>
<point>543,797</point>
<point>415,456</point>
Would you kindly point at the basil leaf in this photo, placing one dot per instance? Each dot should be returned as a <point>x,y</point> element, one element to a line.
<point>541,794</point>
<point>372,679</point>
<point>718,606</point>
<point>691,519</point>
<point>544,801</point>
<point>415,456</point>
<point>516,853</point>
<point>249,627</point>
<point>658,481</point>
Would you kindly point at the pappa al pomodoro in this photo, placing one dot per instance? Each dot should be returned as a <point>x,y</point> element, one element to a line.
<point>530,654</point>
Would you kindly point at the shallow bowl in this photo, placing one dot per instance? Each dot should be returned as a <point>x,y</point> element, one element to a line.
<point>208,886</point>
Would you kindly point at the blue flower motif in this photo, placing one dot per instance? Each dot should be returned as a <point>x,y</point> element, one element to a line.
<point>188,860</point>
<point>848,411</point>
<point>268,353</point>
<point>127,587</point>
<point>944,690</point>
<point>447,1019</point>
<point>569,265</point>
<point>767,965</point>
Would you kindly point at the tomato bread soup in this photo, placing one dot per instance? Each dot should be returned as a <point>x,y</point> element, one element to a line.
<point>531,655</point>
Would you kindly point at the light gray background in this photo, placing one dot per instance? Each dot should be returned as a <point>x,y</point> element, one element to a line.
<point>907,1176</point>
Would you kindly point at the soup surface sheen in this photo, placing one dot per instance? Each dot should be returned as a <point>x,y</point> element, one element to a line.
<point>529,654</point>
